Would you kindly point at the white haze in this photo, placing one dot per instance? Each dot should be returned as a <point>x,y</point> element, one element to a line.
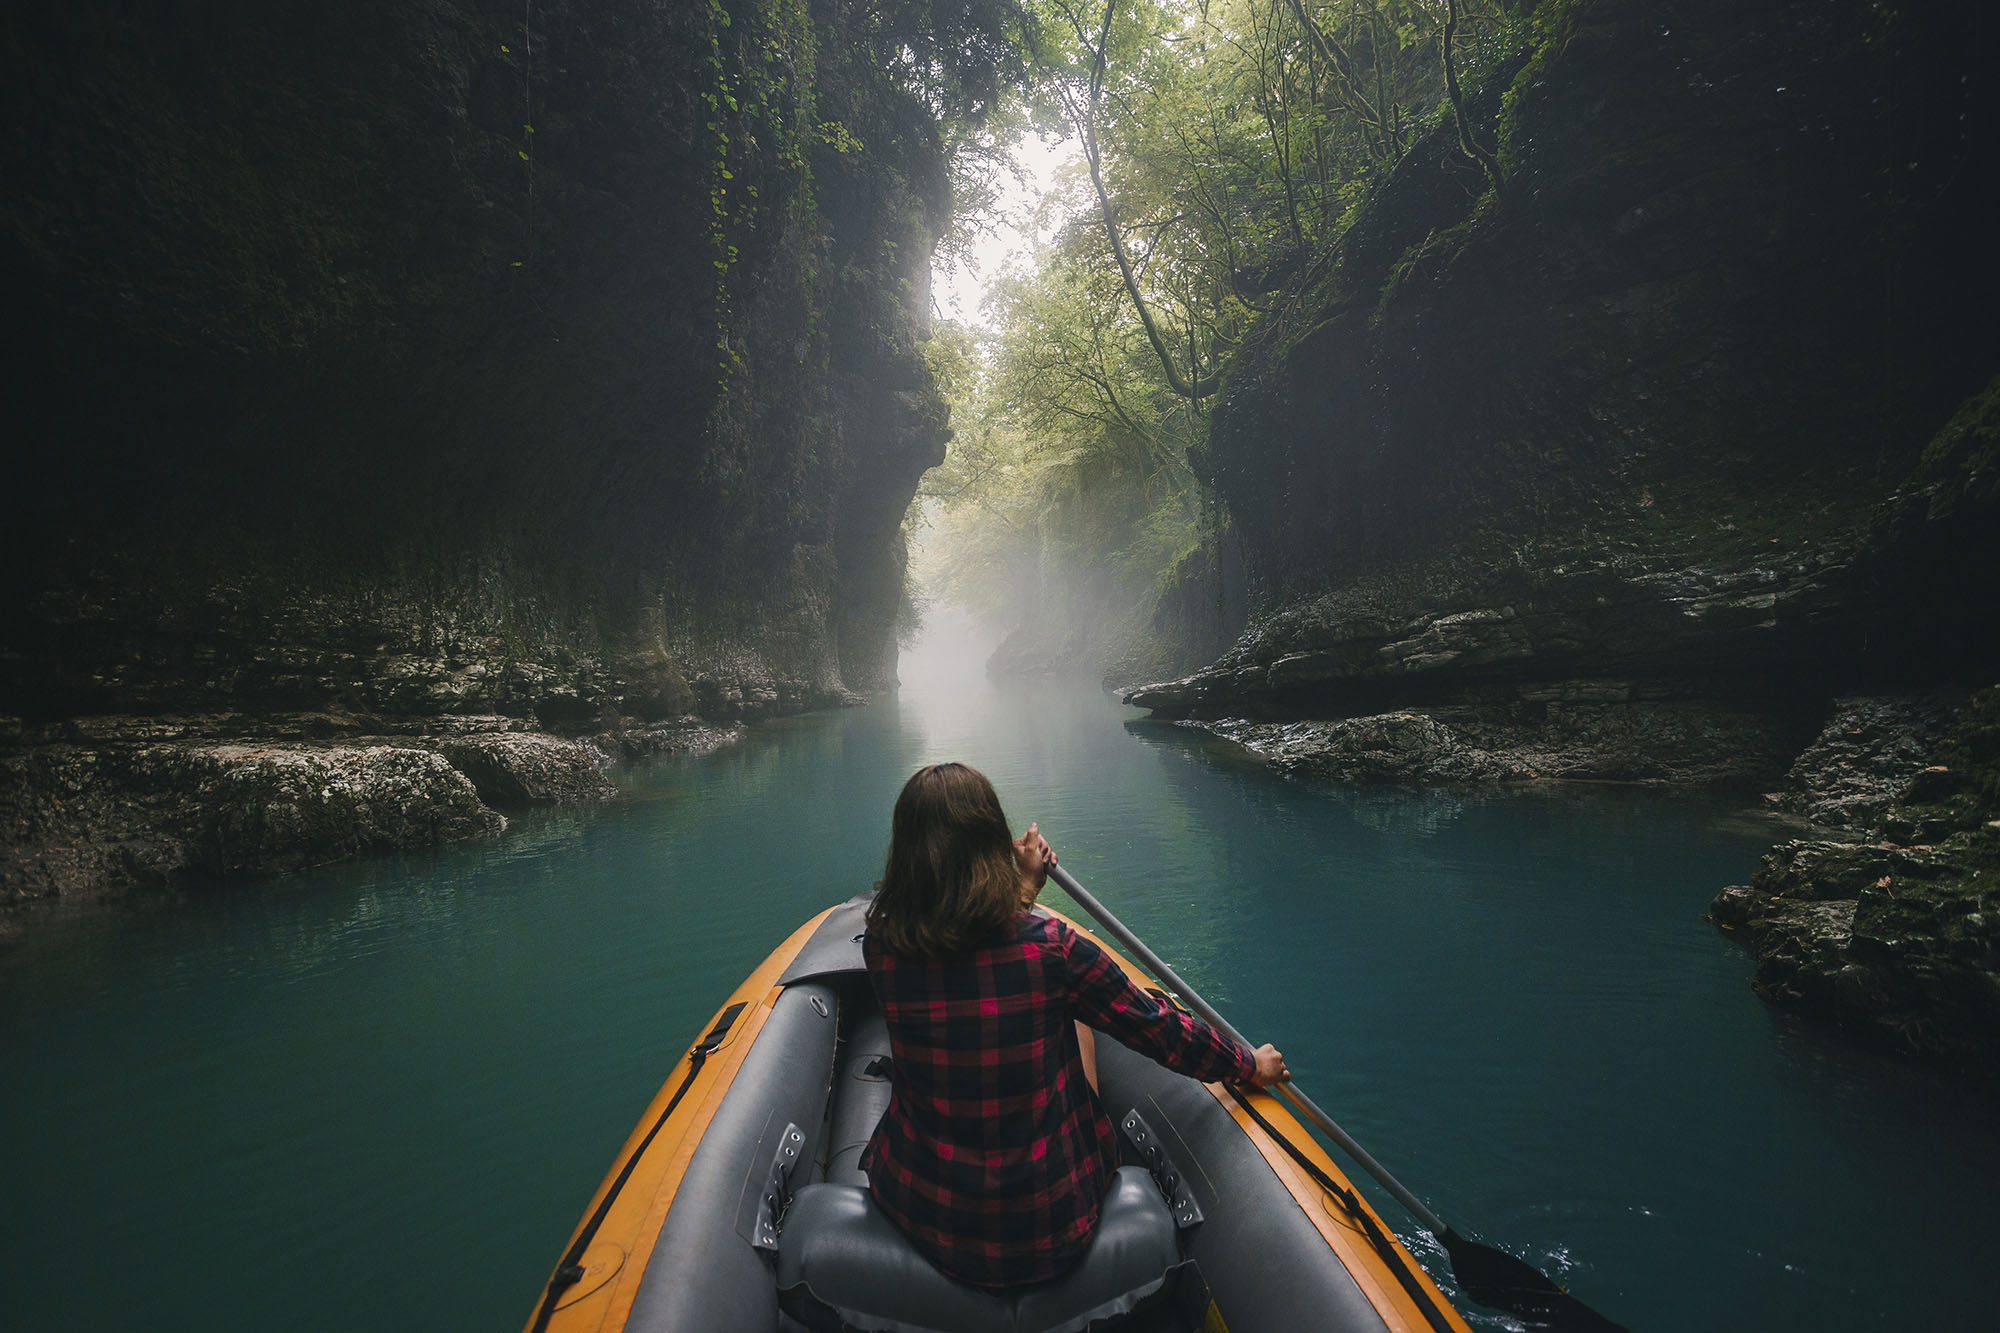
<point>958,291</point>
<point>948,656</point>
<point>949,652</point>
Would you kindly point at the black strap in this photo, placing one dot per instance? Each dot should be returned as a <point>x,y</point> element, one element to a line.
<point>1394,1255</point>
<point>570,1271</point>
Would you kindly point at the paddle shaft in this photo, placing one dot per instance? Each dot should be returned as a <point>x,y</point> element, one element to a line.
<point>1119,931</point>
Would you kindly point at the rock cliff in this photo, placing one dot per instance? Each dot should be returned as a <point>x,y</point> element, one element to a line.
<point>1631,467</point>
<point>383,367</point>
<point>1651,423</point>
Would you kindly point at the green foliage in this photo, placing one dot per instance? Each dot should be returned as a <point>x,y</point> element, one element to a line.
<point>762,92</point>
<point>1545,31</point>
<point>1233,139</point>
<point>1068,471</point>
<point>1226,146</point>
<point>838,137</point>
<point>959,57</point>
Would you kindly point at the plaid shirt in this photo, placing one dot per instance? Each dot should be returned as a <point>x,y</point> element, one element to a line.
<point>994,1154</point>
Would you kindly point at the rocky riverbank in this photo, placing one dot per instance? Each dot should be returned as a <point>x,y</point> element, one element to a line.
<point>1679,743</point>
<point>1627,461</point>
<point>1608,657</point>
<point>121,804</point>
<point>417,408</point>
<point>1884,921</point>
<point>1584,659</point>
<point>1892,928</point>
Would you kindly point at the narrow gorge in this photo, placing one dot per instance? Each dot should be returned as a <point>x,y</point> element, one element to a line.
<point>417,406</point>
<point>422,410</point>
<point>1469,525</point>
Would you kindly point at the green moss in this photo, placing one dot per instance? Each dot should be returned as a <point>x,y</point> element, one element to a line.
<point>1963,787</point>
<point>1546,32</point>
<point>1942,902</point>
<point>1963,460</point>
<point>1430,256</point>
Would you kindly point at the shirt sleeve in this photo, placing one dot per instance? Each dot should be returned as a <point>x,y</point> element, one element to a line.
<point>1105,998</point>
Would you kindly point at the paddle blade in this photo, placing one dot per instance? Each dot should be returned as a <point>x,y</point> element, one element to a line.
<point>1498,1280</point>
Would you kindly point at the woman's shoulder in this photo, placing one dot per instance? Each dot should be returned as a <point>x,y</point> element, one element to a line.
<point>1038,925</point>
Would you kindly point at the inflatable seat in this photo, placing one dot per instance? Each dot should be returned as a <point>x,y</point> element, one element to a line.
<point>843,1265</point>
<point>861,1095</point>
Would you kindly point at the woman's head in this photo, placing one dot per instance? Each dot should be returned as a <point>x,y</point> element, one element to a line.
<point>952,876</point>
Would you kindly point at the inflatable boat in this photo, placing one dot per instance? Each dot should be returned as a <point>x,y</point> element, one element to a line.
<point>738,1202</point>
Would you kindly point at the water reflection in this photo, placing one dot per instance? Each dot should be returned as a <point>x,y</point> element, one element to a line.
<point>1508,995</point>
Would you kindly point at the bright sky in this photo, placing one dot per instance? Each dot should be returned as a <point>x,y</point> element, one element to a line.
<point>958,291</point>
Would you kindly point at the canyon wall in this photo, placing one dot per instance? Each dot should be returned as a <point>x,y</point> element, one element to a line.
<point>411,370</point>
<point>1634,465</point>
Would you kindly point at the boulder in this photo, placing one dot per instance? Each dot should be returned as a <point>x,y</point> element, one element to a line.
<point>1897,940</point>
<point>1389,747</point>
<point>271,810</point>
<point>524,768</point>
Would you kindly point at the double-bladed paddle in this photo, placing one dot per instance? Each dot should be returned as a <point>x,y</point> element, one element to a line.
<point>1490,1276</point>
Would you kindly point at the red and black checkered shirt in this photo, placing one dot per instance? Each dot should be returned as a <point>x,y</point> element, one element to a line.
<point>994,1154</point>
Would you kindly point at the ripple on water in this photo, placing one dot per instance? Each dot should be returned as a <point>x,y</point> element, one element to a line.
<point>1509,997</point>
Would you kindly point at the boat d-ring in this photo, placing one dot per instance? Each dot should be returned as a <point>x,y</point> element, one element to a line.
<point>777,1195</point>
<point>1153,1152</point>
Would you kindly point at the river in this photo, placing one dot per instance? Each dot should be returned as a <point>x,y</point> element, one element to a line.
<point>379,1095</point>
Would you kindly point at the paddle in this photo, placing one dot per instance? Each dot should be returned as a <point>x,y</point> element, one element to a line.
<point>1490,1276</point>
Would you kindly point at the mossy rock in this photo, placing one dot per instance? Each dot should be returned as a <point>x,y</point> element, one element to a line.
<point>273,810</point>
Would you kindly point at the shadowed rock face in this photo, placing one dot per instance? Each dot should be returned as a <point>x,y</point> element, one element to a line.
<point>378,365</point>
<point>1721,294</point>
<point>1658,425</point>
<point>280,809</point>
<point>408,360</point>
<point>1633,469</point>
<point>1893,932</point>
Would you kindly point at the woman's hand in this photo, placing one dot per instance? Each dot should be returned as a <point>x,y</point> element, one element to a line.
<point>1035,856</point>
<point>1270,1067</point>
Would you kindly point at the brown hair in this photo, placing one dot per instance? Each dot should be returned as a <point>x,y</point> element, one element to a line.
<point>952,877</point>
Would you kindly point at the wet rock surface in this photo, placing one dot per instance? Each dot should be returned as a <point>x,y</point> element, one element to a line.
<point>122,806</point>
<point>1682,743</point>
<point>515,768</point>
<point>689,736</point>
<point>263,810</point>
<point>1544,622</point>
<point>1390,747</point>
<point>83,821</point>
<point>1865,756</point>
<point>1894,934</point>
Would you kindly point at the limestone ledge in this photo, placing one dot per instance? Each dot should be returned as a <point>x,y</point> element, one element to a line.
<point>1610,630</point>
<point>1870,749</point>
<point>111,807</point>
<point>1578,738</point>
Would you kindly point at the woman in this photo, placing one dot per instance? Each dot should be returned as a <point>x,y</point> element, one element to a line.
<point>995,1153</point>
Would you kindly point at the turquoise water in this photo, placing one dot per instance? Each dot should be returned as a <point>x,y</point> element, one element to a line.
<point>379,1095</point>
